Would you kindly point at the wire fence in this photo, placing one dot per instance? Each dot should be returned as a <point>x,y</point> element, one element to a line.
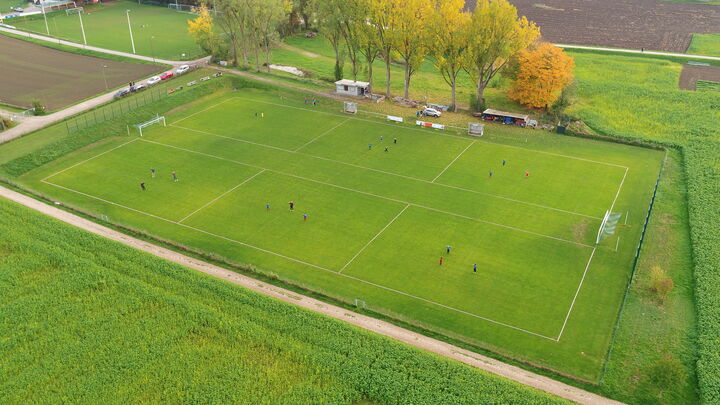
<point>112,110</point>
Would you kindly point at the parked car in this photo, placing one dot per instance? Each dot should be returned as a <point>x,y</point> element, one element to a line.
<point>122,93</point>
<point>166,75</point>
<point>431,112</point>
<point>153,80</point>
<point>182,69</point>
<point>18,9</point>
<point>141,87</point>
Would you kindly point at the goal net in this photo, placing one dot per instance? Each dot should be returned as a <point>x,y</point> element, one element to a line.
<point>75,10</point>
<point>608,225</point>
<point>476,129</point>
<point>350,107</point>
<point>143,125</point>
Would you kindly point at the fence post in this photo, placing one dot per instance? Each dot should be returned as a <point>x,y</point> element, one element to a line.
<point>67,127</point>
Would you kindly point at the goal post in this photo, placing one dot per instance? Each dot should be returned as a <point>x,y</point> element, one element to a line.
<point>350,107</point>
<point>608,225</point>
<point>156,120</point>
<point>476,129</point>
<point>74,10</point>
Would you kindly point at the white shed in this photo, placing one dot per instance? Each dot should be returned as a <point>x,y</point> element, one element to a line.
<point>351,88</point>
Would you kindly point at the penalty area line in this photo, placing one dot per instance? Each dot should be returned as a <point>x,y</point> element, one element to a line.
<point>302,262</point>
<point>89,159</point>
<point>577,292</point>
<point>453,161</point>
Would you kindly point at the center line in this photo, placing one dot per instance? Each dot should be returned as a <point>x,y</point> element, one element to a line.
<point>222,195</point>
<point>374,237</point>
<point>456,158</point>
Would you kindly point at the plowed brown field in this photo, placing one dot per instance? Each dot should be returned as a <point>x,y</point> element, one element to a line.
<point>633,24</point>
<point>56,78</point>
<point>691,74</point>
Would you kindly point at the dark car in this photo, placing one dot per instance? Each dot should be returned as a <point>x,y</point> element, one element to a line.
<point>122,93</point>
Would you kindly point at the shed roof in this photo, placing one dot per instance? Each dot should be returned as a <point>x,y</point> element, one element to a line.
<point>348,82</point>
<point>506,114</point>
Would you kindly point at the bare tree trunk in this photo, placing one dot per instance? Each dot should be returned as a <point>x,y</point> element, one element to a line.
<point>407,81</point>
<point>453,86</point>
<point>257,57</point>
<point>480,96</point>
<point>267,55</point>
<point>387,73</point>
<point>370,76</point>
<point>235,51</point>
<point>246,62</point>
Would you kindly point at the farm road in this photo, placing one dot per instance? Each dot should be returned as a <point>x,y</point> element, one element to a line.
<point>371,324</point>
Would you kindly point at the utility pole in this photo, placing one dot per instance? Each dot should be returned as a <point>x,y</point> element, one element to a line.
<point>132,41</point>
<point>105,78</point>
<point>42,6</point>
<point>152,47</point>
<point>82,27</point>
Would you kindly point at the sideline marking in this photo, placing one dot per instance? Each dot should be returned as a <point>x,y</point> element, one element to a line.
<point>389,173</point>
<point>453,161</point>
<point>221,195</point>
<point>203,110</point>
<point>373,239</point>
<point>577,292</point>
<point>303,262</point>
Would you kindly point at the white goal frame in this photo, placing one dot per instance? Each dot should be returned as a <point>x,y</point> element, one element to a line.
<point>350,107</point>
<point>159,118</point>
<point>602,227</point>
<point>79,10</point>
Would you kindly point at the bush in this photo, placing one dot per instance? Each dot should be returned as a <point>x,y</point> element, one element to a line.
<point>38,108</point>
<point>660,284</point>
<point>666,372</point>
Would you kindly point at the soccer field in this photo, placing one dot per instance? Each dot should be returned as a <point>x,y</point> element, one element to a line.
<point>376,206</point>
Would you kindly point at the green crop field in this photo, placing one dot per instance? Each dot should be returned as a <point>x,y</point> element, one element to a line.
<point>705,44</point>
<point>157,31</point>
<point>378,221</point>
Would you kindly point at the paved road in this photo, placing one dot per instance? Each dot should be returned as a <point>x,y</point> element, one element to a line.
<point>639,52</point>
<point>374,325</point>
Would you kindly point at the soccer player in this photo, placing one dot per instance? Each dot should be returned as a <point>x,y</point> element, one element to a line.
<point>527,174</point>
<point>314,101</point>
<point>490,173</point>
<point>441,260</point>
<point>174,176</point>
<point>395,141</point>
<point>306,100</point>
<point>292,205</point>
<point>447,249</point>
<point>474,268</point>
<point>304,217</point>
<point>262,115</point>
<point>369,146</point>
<point>267,206</point>
<point>152,172</point>
<point>381,138</point>
<point>142,186</point>
<point>504,162</point>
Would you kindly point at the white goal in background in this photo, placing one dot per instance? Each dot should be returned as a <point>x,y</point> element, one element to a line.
<point>350,107</point>
<point>157,119</point>
<point>76,10</point>
<point>608,225</point>
<point>476,129</point>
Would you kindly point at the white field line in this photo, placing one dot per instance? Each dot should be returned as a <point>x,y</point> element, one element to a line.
<point>453,161</point>
<point>203,110</point>
<point>90,158</point>
<point>303,262</point>
<point>321,135</point>
<point>373,239</point>
<point>389,173</point>
<point>587,266</point>
<point>221,196</point>
<point>618,191</point>
<point>435,133</point>
<point>371,194</point>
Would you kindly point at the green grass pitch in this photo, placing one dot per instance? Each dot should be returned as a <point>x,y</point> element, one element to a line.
<point>157,31</point>
<point>378,221</point>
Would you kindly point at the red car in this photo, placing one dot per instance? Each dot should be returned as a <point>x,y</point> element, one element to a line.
<point>166,75</point>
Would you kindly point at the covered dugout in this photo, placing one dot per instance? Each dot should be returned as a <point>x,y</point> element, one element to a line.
<point>351,88</point>
<point>505,117</point>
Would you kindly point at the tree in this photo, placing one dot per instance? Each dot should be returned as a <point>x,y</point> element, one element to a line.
<point>409,37</point>
<point>448,39</point>
<point>201,29</point>
<point>265,18</point>
<point>366,36</point>
<point>231,21</point>
<point>543,72</point>
<point>382,14</point>
<point>354,20</point>
<point>329,18</point>
<point>496,35</point>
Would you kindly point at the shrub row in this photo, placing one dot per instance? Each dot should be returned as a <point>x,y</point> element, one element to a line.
<point>93,320</point>
<point>702,161</point>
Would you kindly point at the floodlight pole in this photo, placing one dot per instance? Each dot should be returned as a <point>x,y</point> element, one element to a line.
<point>105,78</point>
<point>42,6</point>
<point>152,48</point>
<point>82,28</point>
<point>132,41</point>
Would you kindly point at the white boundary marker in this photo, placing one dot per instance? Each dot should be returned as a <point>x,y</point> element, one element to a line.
<point>386,172</point>
<point>453,161</point>
<point>302,262</point>
<point>221,195</point>
<point>373,239</point>
<point>577,292</point>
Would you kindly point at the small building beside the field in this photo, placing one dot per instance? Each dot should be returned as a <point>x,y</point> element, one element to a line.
<point>505,117</point>
<point>351,88</point>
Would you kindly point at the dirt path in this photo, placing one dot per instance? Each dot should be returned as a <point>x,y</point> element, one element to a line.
<point>386,329</point>
<point>638,51</point>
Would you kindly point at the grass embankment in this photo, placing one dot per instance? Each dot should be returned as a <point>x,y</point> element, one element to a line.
<point>90,320</point>
<point>157,31</point>
<point>705,44</point>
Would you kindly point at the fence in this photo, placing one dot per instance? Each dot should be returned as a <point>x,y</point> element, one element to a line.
<point>112,110</point>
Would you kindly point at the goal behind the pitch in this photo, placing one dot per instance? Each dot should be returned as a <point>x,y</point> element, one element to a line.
<point>156,120</point>
<point>75,10</point>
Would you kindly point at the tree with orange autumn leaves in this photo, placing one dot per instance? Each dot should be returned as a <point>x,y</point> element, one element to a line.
<point>544,70</point>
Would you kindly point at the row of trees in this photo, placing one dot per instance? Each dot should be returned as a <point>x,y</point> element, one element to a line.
<point>484,42</point>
